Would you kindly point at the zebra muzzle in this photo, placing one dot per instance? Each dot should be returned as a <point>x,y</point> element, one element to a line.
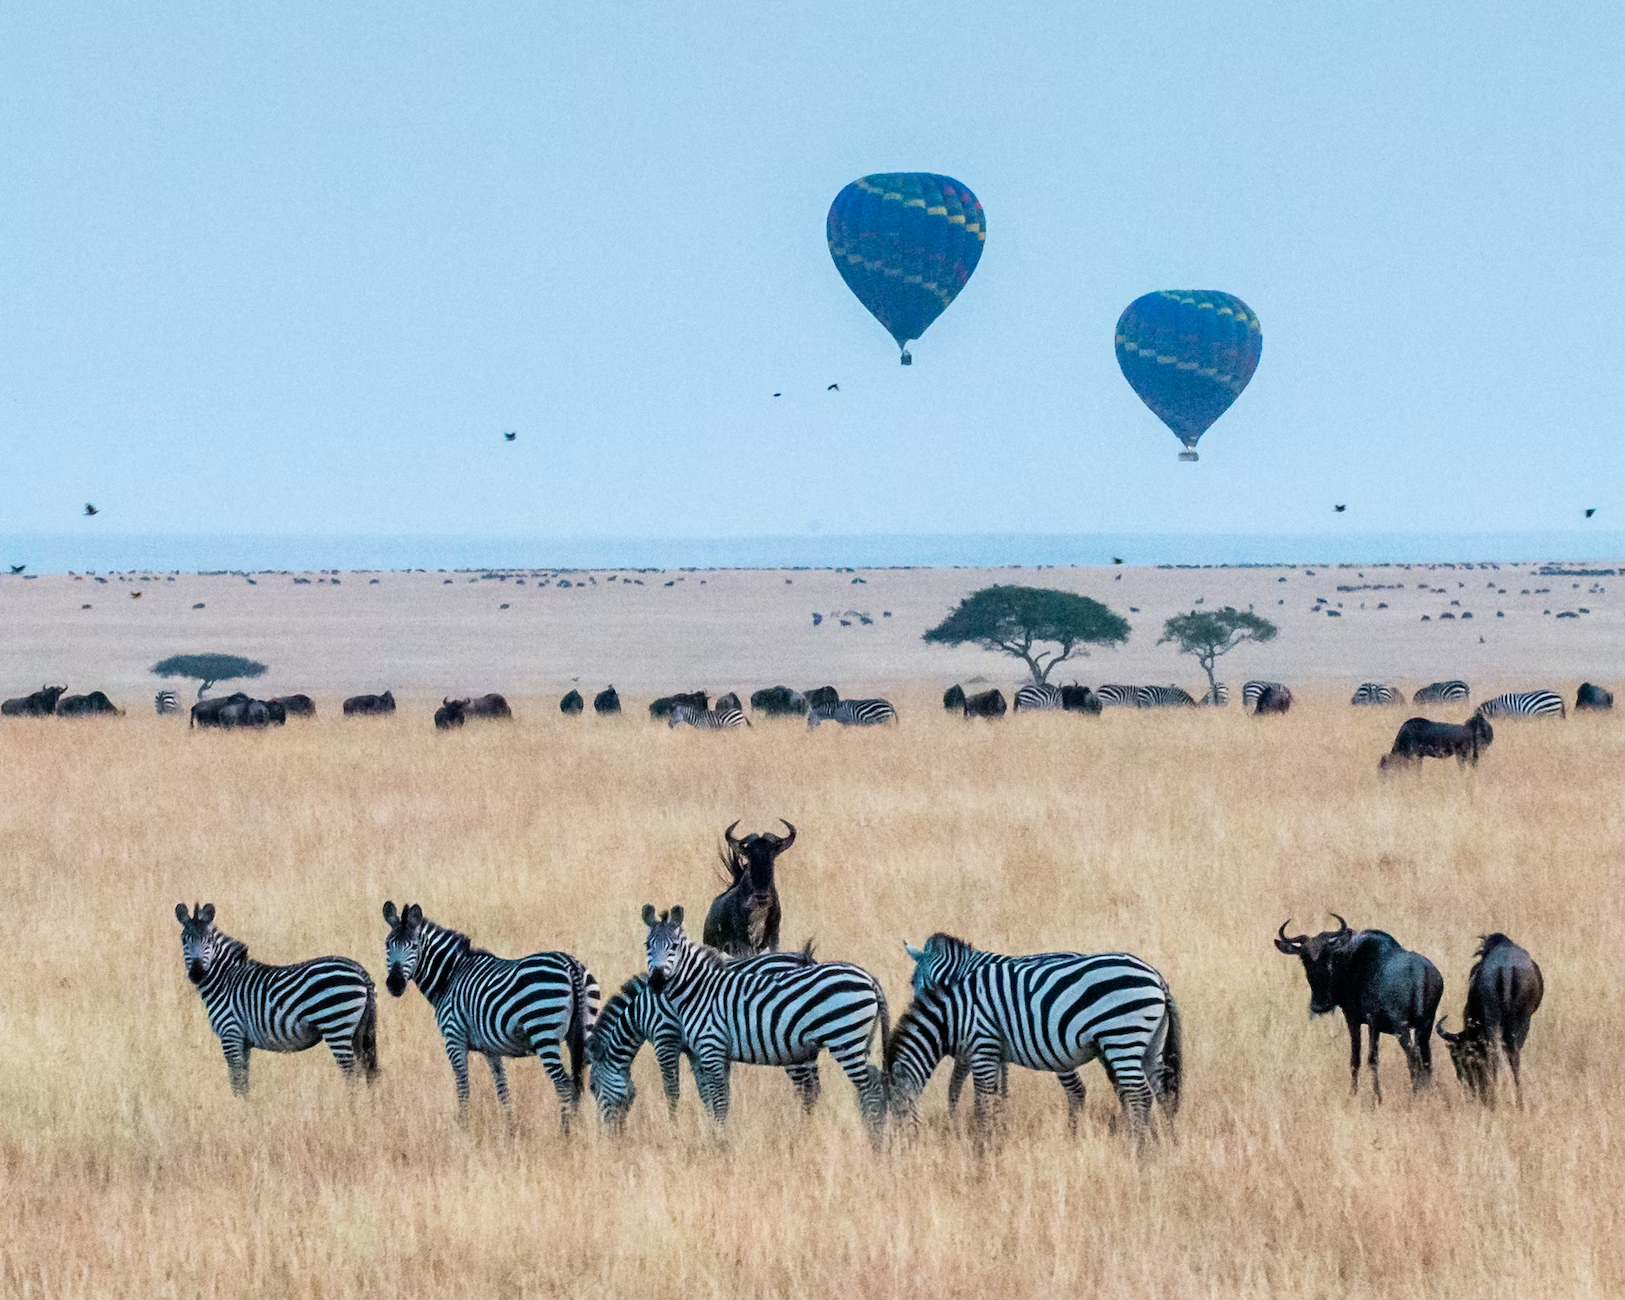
<point>396,983</point>
<point>657,978</point>
<point>194,972</point>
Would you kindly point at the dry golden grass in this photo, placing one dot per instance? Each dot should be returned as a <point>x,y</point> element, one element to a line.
<point>129,1169</point>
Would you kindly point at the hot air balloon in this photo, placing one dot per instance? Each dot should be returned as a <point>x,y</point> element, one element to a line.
<point>905,243</point>
<point>1188,354</point>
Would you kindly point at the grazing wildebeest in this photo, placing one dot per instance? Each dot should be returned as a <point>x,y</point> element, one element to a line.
<point>1421,738</point>
<point>370,704</point>
<point>1274,698</point>
<point>778,702</point>
<point>41,704</point>
<point>1593,697</point>
<point>1374,982</point>
<point>728,701</point>
<point>235,710</point>
<point>953,699</point>
<point>274,711</point>
<point>1504,989</point>
<point>744,918</point>
<point>490,706</point>
<point>572,704</point>
<point>449,714</point>
<point>295,706</point>
<point>986,704</point>
<point>661,708</point>
<point>606,701</point>
<point>1079,699</point>
<point>822,697</point>
<point>85,706</point>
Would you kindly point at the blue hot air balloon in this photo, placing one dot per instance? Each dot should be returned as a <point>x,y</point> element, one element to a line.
<point>906,243</point>
<point>1188,354</point>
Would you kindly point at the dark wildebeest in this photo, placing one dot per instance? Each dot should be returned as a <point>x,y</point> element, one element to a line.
<point>728,701</point>
<point>953,699</point>
<point>276,712</point>
<point>1593,697</point>
<point>370,704</point>
<point>987,704</point>
<point>1504,990</point>
<point>235,710</point>
<point>744,918</point>
<point>778,702</point>
<point>1374,982</point>
<point>572,704</point>
<point>41,704</point>
<point>85,706</point>
<point>1079,699</point>
<point>491,706</point>
<point>822,697</point>
<point>1421,738</point>
<point>1274,698</point>
<point>606,701</point>
<point>294,706</point>
<point>661,709</point>
<point>449,714</point>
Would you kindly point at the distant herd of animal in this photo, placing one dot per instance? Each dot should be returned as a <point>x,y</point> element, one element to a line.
<point>736,999</point>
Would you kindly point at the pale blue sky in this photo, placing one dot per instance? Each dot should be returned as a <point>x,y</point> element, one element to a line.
<point>294,268</point>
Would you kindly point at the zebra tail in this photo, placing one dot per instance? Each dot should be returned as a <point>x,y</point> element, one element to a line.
<point>583,1016</point>
<point>884,1081</point>
<point>366,1035</point>
<point>1169,1068</point>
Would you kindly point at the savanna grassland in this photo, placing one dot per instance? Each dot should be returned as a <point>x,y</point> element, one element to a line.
<point>129,1169</point>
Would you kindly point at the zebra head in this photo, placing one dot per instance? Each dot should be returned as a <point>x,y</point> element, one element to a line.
<point>201,943</point>
<point>611,1048</point>
<point>403,947</point>
<point>942,960</point>
<point>665,945</point>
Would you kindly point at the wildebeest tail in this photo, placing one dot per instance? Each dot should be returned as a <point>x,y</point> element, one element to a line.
<point>583,1016</point>
<point>366,1035</point>
<point>1165,1060</point>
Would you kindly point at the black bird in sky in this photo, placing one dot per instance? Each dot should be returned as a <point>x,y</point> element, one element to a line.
<point>1591,512</point>
<point>510,436</point>
<point>778,394</point>
<point>91,510</point>
<point>1117,559</point>
<point>1340,509</point>
<point>833,388</point>
<point>18,568</point>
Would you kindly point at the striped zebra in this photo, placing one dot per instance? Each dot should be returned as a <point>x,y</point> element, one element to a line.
<point>496,1006</point>
<point>1441,692</point>
<point>733,1011</point>
<point>278,1008</point>
<point>1377,693</point>
<point>1217,695</point>
<point>166,702</point>
<point>723,719</point>
<point>1524,704</point>
<point>1110,695</point>
<point>1039,695</point>
<point>1251,691</point>
<point>1162,697</point>
<point>1052,1011</point>
<point>853,713</point>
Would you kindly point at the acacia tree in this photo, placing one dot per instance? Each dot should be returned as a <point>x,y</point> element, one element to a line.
<point>1210,633</point>
<point>208,669</point>
<point>1021,621</point>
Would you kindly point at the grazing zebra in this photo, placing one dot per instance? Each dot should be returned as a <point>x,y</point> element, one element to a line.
<point>1252,690</point>
<point>719,719</point>
<point>1119,695</point>
<point>278,1008</point>
<point>1217,695</point>
<point>493,1005</point>
<point>853,713</point>
<point>1037,696</point>
<point>1524,704</point>
<point>736,1011</point>
<point>1441,692</point>
<point>1162,697</point>
<point>166,702</point>
<point>1377,693</point>
<point>1052,1011</point>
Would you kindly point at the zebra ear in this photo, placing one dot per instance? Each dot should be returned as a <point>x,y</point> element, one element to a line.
<point>390,914</point>
<point>413,914</point>
<point>649,914</point>
<point>676,917</point>
<point>918,954</point>
<point>181,914</point>
<point>206,914</point>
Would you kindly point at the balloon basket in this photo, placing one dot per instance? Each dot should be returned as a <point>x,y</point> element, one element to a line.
<point>905,359</point>
<point>1189,454</point>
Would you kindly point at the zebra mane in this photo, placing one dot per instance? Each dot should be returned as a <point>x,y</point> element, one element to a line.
<point>232,950</point>
<point>952,942</point>
<point>459,941</point>
<point>611,1014</point>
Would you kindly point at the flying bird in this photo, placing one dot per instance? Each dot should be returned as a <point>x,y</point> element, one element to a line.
<point>135,595</point>
<point>18,568</point>
<point>91,510</point>
<point>1591,512</point>
<point>833,388</point>
<point>778,394</point>
<point>510,436</point>
<point>1340,509</point>
<point>1117,559</point>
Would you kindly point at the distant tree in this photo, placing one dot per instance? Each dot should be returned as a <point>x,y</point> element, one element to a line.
<point>1210,633</point>
<point>1018,620</point>
<point>208,669</point>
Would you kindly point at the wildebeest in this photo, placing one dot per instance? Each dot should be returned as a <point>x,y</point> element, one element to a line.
<point>1374,982</point>
<point>370,704</point>
<point>986,704</point>
<point>572,704</point>
<point>778,702</point>
<point>661,708</point>
<point>1593,697</point>
<point>295,706</point>
<point>1274,698</point>
<point>41,704</point>
<point>235,710</point>
<point>85,706</point>
<point>449,714</point>
<point>821,697</point>
<point>1504,989</point>
<point>606,701</point>
<point>953,699</point>
<point>1079,699</point>
<point>1421,738</point>
<point>744,918</point>
<point>728,701</point>
<point>275,712</point>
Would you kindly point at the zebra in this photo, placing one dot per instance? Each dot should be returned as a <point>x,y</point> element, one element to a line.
<point>1377,693</point>
<point>166,702</point>
<point>735,1011</point>
<point>279,1008</point>
<point>1161,697</point>
<point>1251,691</point>
<point>1441,692</point>
<point>853,713</point>
<point>720,719</point>
<point>1037,695</point>
<point>1218,695</point>
<point>1051,1012</point>
<point>493,1005</point>
<point>1112,694</point>
<point>1523,704</point>
<point>637,1015</point>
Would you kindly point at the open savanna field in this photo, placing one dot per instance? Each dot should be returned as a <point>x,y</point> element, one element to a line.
<point>1186,837</point>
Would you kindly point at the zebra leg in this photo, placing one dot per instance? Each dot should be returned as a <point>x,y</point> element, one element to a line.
<point>563,1084</point>
<point>236,1051</point>
<point>671,1076</point>
<point>804,1077</point>
<point>1073,1087</point>
<point>853,1058</point>
<point>987,1069</point>
<point>711,1070</point>
<point>499,1076</point>
<point>457,1054</point>
<point>956,1084</point>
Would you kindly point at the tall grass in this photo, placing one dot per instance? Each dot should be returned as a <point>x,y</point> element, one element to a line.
<point>130,1170</point>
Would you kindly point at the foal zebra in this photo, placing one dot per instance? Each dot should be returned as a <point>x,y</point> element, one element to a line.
<point>740,1011</point>
<point>1161,697</point>
<point>719,719</point>
<point>1040,695</point>
<point>1524,704</point>
<point>1051,1012</point>
<point>1377,693</point>
<point>493,1005</point>
<point>166,702</point>
<point>1441,692</point>
<point>853,713</point>
<point>278,1008</point>
<point>1252,690</point>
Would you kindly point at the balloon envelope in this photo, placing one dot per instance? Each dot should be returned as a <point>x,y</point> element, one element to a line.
<point>1188,354</point>
<point>906,243</point>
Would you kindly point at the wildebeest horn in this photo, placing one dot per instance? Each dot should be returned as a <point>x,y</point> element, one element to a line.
<point>1288,944</point>
<point>1341,922</point>
<point>1444,1033</point>
<point>729,834</point>
<point>789,839</point>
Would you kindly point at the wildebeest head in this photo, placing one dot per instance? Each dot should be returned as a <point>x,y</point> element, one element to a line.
<point>450,713</point>
<point>664,944</point>
<point>403,945</point>
<point>751,859</point>
<point>1321,955</point>
<point>1469,1053</point>
<point>1479,725</point>
<point>200,941</point>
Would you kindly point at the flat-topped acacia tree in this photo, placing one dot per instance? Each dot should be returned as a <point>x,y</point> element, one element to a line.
<point>208,669</point>
<point>1211,633</point>
<point>1023,621</point>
